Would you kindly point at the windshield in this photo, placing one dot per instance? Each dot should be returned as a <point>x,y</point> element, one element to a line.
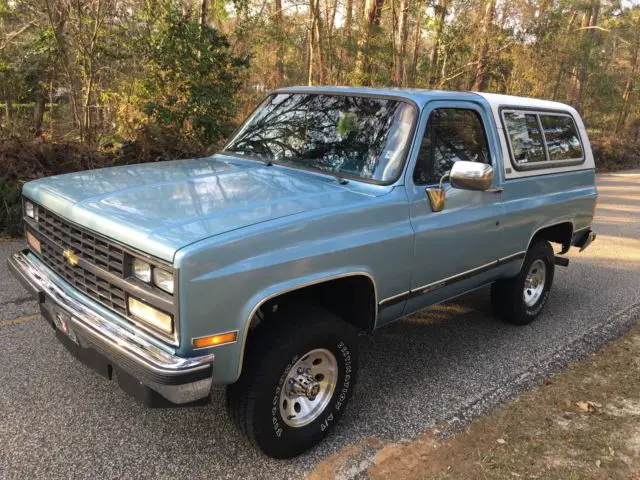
<point>357,136</point>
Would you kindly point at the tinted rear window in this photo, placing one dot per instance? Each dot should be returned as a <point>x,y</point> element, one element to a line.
<point>561,135</point>
<point>539,140</point>
<point>526,140</point>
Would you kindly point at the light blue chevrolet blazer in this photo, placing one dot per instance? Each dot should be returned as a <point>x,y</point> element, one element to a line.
<point>331,211</point>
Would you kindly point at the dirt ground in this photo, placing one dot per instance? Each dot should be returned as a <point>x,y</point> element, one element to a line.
<point>582,423</point>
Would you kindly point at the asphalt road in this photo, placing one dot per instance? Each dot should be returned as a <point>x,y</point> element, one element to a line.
<point>59,419</point>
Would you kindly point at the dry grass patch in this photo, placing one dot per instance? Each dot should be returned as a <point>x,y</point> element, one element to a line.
<point>582,423</point>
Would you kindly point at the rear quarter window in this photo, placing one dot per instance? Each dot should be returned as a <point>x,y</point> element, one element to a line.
<point>526,140</point>
<point>561,135</point>
<point>542,139</point>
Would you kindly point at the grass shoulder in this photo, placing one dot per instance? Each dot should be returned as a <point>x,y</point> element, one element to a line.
<point>582,423</point>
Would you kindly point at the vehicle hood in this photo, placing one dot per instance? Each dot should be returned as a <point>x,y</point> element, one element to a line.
<point>161,207</point>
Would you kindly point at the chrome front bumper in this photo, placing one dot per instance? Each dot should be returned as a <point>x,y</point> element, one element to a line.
<point>123,349</point>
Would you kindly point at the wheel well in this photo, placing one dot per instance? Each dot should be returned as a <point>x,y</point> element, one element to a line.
<point>352,298</point>
<point>560,233</point>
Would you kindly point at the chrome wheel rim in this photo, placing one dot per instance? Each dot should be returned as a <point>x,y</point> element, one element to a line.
<point>308,387</point>
<point>534,283</point>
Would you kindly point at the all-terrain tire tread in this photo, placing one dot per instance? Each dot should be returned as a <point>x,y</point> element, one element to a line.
<point>506,294</point>
<point>242,395</point>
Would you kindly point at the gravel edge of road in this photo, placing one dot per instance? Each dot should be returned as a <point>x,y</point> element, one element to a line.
<point>572,352</point>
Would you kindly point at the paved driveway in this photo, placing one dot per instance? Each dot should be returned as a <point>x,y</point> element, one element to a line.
<point>59,419</point>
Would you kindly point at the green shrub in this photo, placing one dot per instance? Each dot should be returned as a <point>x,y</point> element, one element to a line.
<point>191,80</point>
<point>10,209</point>
<point>615,153</point>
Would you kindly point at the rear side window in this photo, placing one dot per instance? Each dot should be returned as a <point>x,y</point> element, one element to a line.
<point>542,139</point>
<point>562,137</point>
<point>526,140</point>
<point>451,134</point>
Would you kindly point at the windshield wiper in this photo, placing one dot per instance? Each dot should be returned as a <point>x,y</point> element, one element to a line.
<point>252,153</point>
<point>341,180</point>
<point>292,162</point>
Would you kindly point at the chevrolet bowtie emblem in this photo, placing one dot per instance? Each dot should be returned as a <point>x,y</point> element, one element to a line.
<point>70,257</point>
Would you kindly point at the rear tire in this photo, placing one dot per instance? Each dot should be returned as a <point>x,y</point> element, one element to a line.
<point>298,375</point>
<point>521,299</point>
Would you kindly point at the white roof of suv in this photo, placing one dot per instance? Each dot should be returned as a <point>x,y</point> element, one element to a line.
<point>497,100</point>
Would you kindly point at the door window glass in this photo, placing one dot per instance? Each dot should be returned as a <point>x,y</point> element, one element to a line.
<point>451,134</point>
<point>526,139</point>
<point>563,141</point>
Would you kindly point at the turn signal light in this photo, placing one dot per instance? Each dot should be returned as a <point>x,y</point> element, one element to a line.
<point>33,242</point>
<point>215,340</point>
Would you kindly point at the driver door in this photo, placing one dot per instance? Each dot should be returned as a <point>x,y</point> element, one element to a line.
<point>456,248</point>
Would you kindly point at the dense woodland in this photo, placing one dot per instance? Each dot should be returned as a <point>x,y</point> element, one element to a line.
<point>92,82</point>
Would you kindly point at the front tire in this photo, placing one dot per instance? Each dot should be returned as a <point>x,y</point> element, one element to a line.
<point>298,376</point>
<point>520,300</point>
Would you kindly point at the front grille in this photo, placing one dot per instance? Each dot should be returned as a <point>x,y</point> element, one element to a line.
<point>86,245</point>
<point>84,280</point>
<point>103,270</point>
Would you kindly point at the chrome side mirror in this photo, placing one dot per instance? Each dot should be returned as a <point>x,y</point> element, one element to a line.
<point>465,176</point>
<point>471,175</point>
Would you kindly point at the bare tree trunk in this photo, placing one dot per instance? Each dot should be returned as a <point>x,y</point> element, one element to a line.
<point>441,13</point>
<point>185,7</point>
<point>57,20</point>
<point>392,40</point>
<point>331,22</point>
<point>348,19</point>
<point>479,80</point>
<point>361,8</point>
<point>443,70</point>
<point>8,109</point>
<point>401,41</point>
<point>319,40</point>
<point>51,107</point>
<point>628,90</point>
<point>413,69</point>
<point>311,42</point>
<point>203,12</point>
<point>582,69</point>
<point>347,38</point>
<point>279,67</point>
<point>564,59</point>
<point>38,111</point>
<point>373,9</point>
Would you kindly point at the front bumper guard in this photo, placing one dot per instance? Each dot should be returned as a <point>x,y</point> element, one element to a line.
<point>178,379</point>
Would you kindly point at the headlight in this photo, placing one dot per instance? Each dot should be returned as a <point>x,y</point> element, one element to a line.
<point>31,210</point>
<point>149,315</point>
<point>163,279</point>
<point>142,270</point>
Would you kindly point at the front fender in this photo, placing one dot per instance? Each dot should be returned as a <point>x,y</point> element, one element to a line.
<point>291,285</point>
<point>224,280</point>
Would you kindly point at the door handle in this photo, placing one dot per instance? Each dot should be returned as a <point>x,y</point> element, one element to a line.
<point>495,190</point>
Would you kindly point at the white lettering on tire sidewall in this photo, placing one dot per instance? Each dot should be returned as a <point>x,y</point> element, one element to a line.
<point>340,394</point>
<point>346,384</point>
